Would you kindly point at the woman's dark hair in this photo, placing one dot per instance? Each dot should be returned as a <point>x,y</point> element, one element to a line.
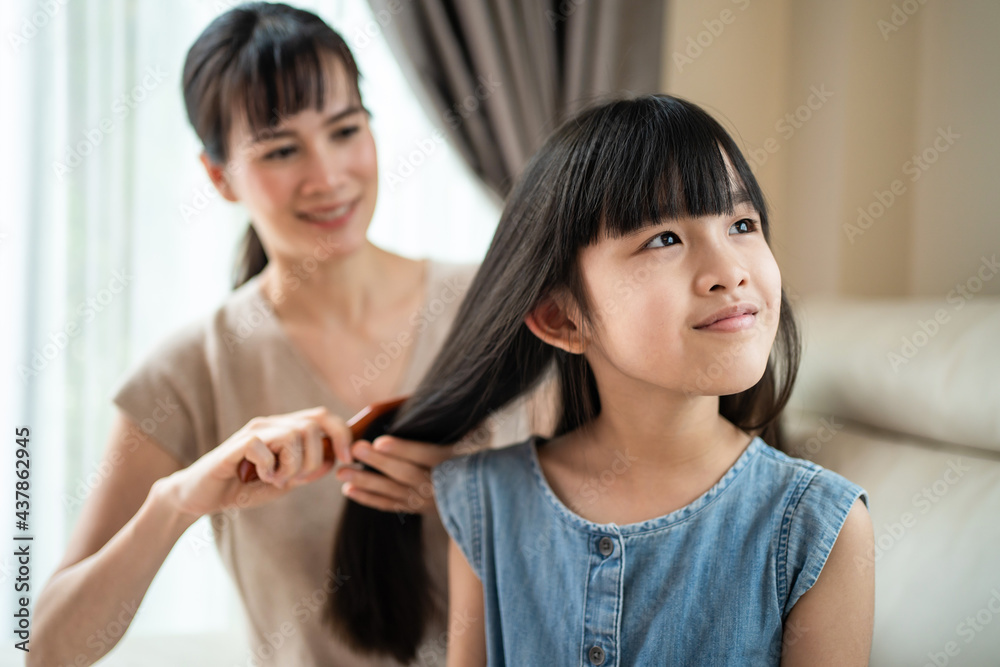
<point>268,59</point>
<point>610,170</point>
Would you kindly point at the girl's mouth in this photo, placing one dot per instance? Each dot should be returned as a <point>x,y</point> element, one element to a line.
<point>735,323</point>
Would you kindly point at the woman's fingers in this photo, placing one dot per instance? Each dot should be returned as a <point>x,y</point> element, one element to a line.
<point>338,431</point>
<point>312,450</point>
<point>289,447</point>
<point>259,454</point>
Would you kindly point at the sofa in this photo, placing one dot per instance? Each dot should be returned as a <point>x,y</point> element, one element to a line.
<point>903,398</point>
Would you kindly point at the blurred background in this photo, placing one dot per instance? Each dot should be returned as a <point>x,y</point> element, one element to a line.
<point>870,124</point>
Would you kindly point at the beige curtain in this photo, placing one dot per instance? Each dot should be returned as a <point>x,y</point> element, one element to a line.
<point>501,74</point>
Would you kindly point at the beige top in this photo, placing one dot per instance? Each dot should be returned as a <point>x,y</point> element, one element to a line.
<point>238,364</point>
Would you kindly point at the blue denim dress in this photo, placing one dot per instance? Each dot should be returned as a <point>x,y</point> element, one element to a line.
<point>708,584</point>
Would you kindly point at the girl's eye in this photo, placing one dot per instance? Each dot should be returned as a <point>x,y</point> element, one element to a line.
<point>280,153</point>
<point>746,225</point>
<point>661,238</point>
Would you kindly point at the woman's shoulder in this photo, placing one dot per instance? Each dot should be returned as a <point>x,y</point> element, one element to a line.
<point>229,323</point>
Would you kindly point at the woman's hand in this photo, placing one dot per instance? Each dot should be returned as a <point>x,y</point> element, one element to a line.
<point>405,485</point>
<point>286,450</point>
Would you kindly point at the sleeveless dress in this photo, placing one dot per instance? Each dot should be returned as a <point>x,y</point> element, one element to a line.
<point>710,583</point>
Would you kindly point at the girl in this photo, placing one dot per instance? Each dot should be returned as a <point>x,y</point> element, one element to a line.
<point>659,525</point>
<point>273,94</point>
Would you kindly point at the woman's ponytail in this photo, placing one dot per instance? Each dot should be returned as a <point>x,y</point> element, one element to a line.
<point>251,258</point>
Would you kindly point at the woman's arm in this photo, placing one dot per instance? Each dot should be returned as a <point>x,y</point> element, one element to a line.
<point>466,623</point>
<point>831,624</point>
<point>124,533</point>
<point>133,518</point>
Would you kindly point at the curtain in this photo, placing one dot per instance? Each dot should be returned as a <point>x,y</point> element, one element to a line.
<point>499,75</point>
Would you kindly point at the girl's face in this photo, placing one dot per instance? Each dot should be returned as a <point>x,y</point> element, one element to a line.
<point>651,290</point>
<point>313,179</point>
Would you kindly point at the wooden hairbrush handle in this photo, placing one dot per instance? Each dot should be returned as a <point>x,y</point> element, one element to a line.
<point>358,424</point>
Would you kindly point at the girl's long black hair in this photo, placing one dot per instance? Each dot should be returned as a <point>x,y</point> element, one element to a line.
<point>610,170</point>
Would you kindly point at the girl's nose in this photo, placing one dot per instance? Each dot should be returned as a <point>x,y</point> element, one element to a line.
<point>720,267</point>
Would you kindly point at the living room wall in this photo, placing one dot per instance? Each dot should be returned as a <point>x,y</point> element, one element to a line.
<point>872,127</point>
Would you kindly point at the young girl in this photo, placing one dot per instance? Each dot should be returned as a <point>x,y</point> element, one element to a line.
<point>659,525</point>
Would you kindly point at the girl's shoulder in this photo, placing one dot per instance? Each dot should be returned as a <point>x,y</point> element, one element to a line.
<point>803,481</point>
<point>811,504</point>
<point>487,466</point>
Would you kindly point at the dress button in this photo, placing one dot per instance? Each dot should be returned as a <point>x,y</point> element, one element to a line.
<point>606,546</point>
<point>596,655</point>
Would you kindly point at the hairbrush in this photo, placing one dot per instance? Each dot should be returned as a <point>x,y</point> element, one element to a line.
<point>370,422</point>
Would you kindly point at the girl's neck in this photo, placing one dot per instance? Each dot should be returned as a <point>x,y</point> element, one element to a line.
<point>667,436</point>
<point>631,465</point>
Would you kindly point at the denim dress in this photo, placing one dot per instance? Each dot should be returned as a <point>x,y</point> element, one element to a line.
<point>708,584</point>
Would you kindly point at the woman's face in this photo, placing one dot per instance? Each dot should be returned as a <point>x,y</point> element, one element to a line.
<point>650,291</point>
<point>312,180</point>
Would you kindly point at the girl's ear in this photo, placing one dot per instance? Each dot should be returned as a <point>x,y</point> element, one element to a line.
<point>219,177</point>
<point>553,323</point>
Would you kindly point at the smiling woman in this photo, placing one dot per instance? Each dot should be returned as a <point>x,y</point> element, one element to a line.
<point>272,92</point>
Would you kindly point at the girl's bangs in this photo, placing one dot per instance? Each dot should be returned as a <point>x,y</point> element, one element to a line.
<point>662,160</point>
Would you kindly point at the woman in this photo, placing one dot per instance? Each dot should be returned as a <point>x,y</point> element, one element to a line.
<point>320,324</point>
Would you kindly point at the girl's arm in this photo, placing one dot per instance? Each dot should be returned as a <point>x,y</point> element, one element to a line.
<point>466,626</point>
<point>831,624</point>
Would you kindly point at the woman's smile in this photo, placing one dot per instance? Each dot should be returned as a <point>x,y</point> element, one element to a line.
<point>330,217</point>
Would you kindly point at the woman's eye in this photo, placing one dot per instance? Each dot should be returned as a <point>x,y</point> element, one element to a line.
<point>661,238</point>
<point>280,153</point>
<point>345,132</point>
<point>746,225</point>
